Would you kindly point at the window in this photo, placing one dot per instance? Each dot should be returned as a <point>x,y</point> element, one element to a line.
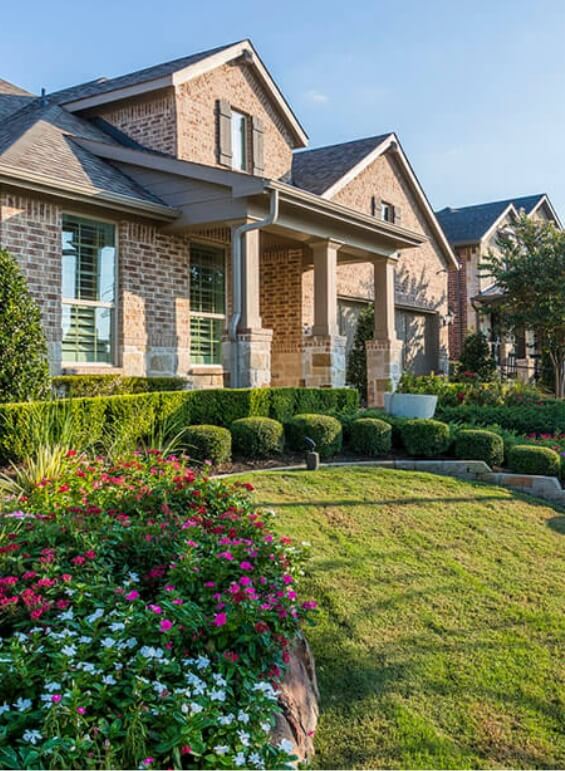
<point>89,290</point>
<point>387,211</point>
<point>239,132</point>
<point>207,303</point>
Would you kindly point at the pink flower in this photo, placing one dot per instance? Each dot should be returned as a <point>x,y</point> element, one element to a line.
<point>132,596</point>
<point>309,605</point>
<point>169,588</point>
<point>155,608</point>
<point>246,565</point>
<point>226,555</point>
<point>220,619</point>
<point>90,554</point>
<point>245,580</point>
<point>178,601</point>
<point>81,710</point>
<point>56,698</point>
<point>287,579</point>
<point>186,749</point>
<point>165,625</point>
<point>148,761</point>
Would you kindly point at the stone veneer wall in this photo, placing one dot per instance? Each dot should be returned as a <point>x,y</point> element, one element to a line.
<point>196,104</point>
<point>281,311</point>
<point>151,121</point>
<point>30,229</point>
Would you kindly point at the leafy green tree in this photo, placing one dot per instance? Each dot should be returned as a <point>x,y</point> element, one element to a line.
<point>476,357</point>
<point>357,361</point>
<point>24,372</point>
<point>529,268</point>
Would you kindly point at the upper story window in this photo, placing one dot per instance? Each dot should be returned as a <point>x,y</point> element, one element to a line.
<point>387,212</point>
<point>89,290</point>
<point>239,135</point>
<point>207,303</point>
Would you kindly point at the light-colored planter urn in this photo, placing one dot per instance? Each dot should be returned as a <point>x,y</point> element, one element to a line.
<point>410,405</point>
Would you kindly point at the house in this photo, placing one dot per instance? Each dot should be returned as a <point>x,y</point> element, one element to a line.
<point>169,222</point>
<point>472,232</point>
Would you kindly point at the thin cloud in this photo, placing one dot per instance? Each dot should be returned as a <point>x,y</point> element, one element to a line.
<point>316,97</point>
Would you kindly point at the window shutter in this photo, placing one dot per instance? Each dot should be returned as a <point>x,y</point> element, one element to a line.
<point>258,148</point>
<point>397,219</point>
<point>375,206</point>
<point>224,132</point>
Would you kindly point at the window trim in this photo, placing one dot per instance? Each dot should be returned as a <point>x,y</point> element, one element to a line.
<point>114,327</point>
<point>246,155</point>
<point>204,314</point>
<point>391,208</point>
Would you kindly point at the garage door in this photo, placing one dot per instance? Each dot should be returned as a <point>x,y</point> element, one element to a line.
<point>419,333</point>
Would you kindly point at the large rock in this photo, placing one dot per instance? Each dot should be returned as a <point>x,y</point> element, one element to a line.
<point>299,697</point>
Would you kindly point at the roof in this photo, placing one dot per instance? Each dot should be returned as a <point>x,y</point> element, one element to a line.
<point>317,170</point>
<point>12,98</point>
<point>39,140</point>
<point>470,224</point>
<point>104,85</point>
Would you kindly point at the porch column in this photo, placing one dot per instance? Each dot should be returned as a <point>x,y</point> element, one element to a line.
<point>384,351</point>
<point>253,341</point>
<point>324,350</point>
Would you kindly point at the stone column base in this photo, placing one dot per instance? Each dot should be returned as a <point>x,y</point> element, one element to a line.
<point>254,357</point>
<point>323,361</point>
<point>384,367</point>
<point>525,370</point>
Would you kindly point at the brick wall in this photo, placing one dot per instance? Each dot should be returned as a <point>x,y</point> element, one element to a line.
<point>151,121</point>
<point>196,107</point>
<point>458,302</point>
<point>30,229</point>
<point>281,311</point>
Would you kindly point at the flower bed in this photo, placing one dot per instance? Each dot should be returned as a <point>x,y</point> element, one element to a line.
<point>146,614</point>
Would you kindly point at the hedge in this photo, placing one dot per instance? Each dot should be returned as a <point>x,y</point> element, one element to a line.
<point>131,418</point>
<point>370,436</point>
<point>525,459</point>
<point>324,430</point>
<point>425,437</point>
<point>208,443</point>
<point>479,444</point>
<point>257,437</point>
<point>71,386</point>
<point>546,418</point>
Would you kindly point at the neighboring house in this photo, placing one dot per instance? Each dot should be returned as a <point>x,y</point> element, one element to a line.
<point>472,232</point>
<point>124,199</point>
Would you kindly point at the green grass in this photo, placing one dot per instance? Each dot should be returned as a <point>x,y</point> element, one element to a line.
<point>440,639</point>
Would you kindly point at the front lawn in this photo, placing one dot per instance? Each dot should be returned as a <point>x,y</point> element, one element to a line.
<point>440,638</point>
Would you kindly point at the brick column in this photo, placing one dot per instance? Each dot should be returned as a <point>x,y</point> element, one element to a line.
<point>253,341</point>
<point>384,352</point>
<point>323,359</point>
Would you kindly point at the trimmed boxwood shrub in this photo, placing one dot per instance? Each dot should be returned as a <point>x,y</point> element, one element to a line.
<point>425,437</point>
<point>287,402</point>
<point>211,443</point>
<point>370,436</point>
<point>477,444</point>
<point>72,386</point>
<point>324,430</point>
<point>525,459</point>
<point>548,418</point>
<point>257,437</point>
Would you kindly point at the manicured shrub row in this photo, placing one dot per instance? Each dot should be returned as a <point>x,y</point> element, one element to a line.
<point>208,443</point>
<point>480,445</point>
<point>74,386</point>
<point>132,418</point>
<point>148,614</point>
<point>324,430</point>
<point>257,437</point>
<point>425,437</point>
<point>370,436</point>
<point>548,418</point>
<point>525,459</point>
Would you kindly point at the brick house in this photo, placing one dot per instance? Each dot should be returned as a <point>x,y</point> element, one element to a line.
<point>169,222</point>
<point>472,232</point>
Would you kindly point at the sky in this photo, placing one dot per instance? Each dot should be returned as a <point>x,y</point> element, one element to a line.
<point>475,89</point>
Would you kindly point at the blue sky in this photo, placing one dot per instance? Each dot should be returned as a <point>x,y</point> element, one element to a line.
<point>475,89</point>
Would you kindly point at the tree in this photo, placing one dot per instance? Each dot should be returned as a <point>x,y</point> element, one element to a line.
<point>357,362</point>
<point>529,269</point>
<point>476,357</point>
<point>24,372</point>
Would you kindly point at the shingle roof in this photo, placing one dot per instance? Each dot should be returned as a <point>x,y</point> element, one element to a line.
<point>104,85</point>
<point>318,169</point>
<point>39,139</point>
<point>470,223</point>
<point>12,98</point>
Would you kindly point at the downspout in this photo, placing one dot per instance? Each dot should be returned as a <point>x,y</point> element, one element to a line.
<point>235,317</point>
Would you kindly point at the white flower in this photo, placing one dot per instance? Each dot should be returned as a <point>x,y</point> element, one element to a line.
<point>69,650</point>
<point>85,639</point>
<point>257,760</point>
<point>265,726</point>
<point>68,615</point>
<point>36,629</point>
<point>22,705</point>
<point>265,688</point>
<point>243,738</point>
<point>53,686</point>
<point>20,636</point>
<point>109,680</point>
<point>108,642</point>
<point>95,616</point>
<point>151,653</point>
<point>131,642</point>
<point>32,737</point>
<point>217,695</point>
<point>196,708</point>
<point>226,719</point>
<point>221,749</point>
<point>243,717</point>
<point>117,626</point>
<point>202,662</point>
<point>87,666</point>
<point>4,708</point>
<point>118,666</point>
<point>219,680</point>
<point>286,745</point>
<point>239,759</point>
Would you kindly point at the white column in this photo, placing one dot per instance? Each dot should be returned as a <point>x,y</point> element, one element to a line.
<point>250,290</point>
<point>385,328</point>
